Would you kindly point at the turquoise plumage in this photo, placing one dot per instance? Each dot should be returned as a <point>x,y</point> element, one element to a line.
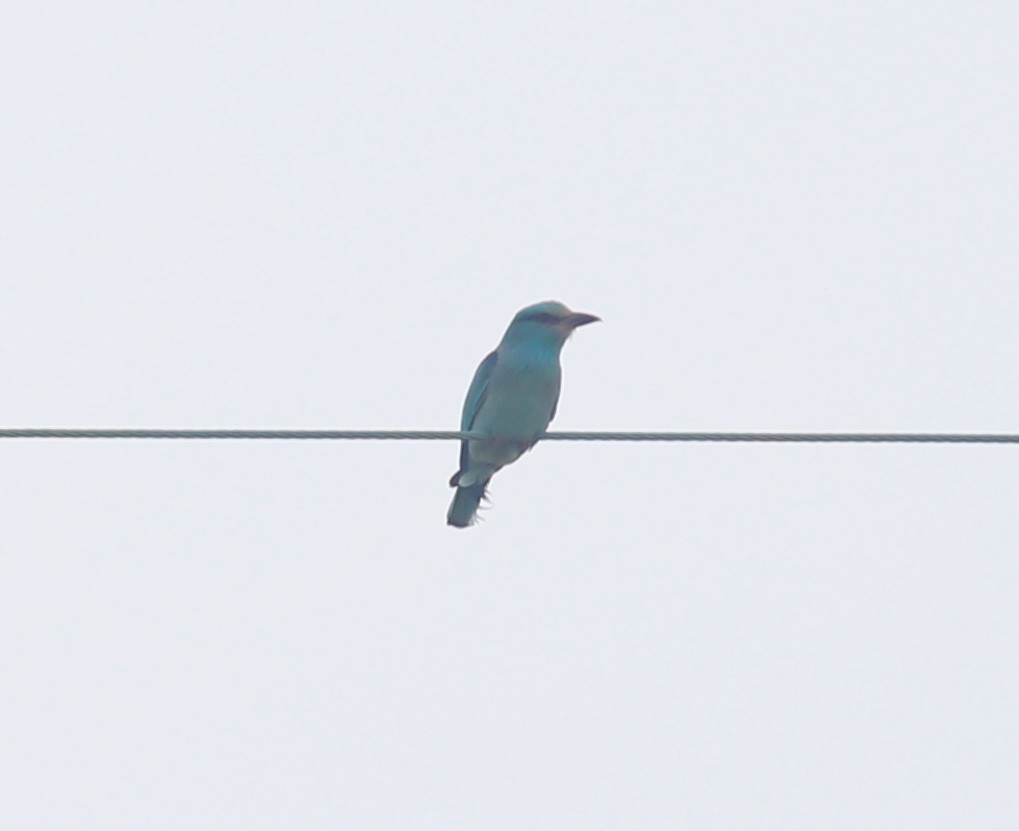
<point>511,400</point>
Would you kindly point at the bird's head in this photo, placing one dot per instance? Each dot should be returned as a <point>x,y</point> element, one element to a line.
<point>547,321</point>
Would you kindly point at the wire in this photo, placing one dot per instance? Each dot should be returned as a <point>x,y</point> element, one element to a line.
<point>442,435</point>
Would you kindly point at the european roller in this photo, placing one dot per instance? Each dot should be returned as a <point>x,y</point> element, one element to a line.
<point>511,400</point>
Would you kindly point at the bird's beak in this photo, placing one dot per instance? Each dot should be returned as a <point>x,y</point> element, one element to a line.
<point>581,319</point>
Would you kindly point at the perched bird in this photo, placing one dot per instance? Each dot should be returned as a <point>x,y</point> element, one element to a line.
<point>511,400</point>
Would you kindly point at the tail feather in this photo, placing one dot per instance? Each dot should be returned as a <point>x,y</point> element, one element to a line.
<point>464,509</point>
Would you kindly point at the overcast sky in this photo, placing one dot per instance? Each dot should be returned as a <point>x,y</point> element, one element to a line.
<point>791,216</point>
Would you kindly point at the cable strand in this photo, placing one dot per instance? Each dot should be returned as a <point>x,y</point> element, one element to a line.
<point>457,435</point>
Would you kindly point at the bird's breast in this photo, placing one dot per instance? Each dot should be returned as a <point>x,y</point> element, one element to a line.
<point>519,402</point>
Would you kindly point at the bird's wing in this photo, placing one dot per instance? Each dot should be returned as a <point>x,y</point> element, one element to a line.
<point>478,389</point>
<point>475,398</point>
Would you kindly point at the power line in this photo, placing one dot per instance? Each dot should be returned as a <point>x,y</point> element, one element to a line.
<point>450,435</point>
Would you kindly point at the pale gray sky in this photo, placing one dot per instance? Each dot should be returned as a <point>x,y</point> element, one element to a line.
<point>791,216</point>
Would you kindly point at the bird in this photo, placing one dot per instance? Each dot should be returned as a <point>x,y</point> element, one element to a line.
<point>511,400</point>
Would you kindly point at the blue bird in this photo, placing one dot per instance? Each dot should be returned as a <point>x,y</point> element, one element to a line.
<point>511,400</point>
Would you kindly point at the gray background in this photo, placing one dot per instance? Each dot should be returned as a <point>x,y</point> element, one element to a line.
<point>790,216</point>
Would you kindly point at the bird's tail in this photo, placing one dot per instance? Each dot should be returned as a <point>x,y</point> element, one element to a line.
<point>464,508</point>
